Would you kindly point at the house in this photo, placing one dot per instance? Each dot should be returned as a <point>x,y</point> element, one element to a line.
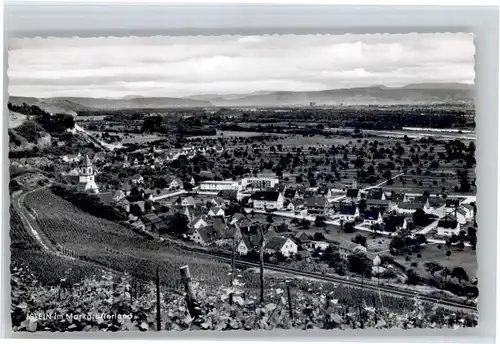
<point>376,194</point>
<point>137,179</point>
<point>175,184</point>
<point>381,205</point>
<point>397,198</point>
<point>281,227</point>
<point>228,196</point>
<point>451,204</point>
<point>138,225</point>
<point>218,185</point>
<point>353,195</point>
<point>237,218</point>
<point>302,238</point>
<point>319,245</point>
<point>371,217</point>
<point>347,248</point>
<point>351,184</point>
<point>124,204</point>
<point>267,200</point>
<point>396,222</point>
<point>216,211</point>
<point>218,201</point>
<point>295,205</point>
<point>468,211</point>
<point>281,244</point>
<point>151,222</point>
<point>316,205</point>
<point>250,240</point>
<point>204,235</point>
<point>348,212</point>
<point>290,193</point>
<point>200,221</point>
<point>188,202</point>
<point>260,183</point>
<point>448,226</point>
<point>411,207</point>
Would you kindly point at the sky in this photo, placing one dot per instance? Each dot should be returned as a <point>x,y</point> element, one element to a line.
<point>115,67</point>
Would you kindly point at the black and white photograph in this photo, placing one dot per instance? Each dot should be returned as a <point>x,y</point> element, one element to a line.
<point>242,182</point>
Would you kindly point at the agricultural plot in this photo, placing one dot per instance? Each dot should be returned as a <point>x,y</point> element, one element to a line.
<point>113,245</point>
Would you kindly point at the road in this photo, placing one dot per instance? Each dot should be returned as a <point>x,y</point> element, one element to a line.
<point>369,187</point>
<point>30,220</point>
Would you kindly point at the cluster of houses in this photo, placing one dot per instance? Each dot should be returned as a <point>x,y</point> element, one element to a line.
<point>388,211</point>
<point>146,158</point>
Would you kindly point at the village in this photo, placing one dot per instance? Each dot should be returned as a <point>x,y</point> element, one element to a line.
<point>292,221</point>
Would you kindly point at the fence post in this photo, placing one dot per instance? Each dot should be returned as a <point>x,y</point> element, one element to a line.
<point>290,310</point>
<point>188,288</point>
<point>158,314</point>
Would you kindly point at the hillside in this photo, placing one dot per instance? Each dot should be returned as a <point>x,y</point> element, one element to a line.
<point>72,105</point>
<point>375,95</point>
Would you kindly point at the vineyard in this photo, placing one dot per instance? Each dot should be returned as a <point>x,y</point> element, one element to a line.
<point>114,246</point>
<point>19,236</point>
<point>307,306</point>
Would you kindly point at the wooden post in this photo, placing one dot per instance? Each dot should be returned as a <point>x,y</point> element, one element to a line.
<point>158,314</point>
<point>188,288</point>
<point>290,310</point>
<point>261,260</point>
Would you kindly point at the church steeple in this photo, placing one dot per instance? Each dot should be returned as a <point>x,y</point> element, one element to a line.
<point>87,162</point>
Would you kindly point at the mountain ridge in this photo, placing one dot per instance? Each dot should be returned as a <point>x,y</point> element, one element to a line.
<point>421,93</point>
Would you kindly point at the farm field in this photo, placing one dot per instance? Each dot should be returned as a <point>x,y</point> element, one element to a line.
<point>466,259</point>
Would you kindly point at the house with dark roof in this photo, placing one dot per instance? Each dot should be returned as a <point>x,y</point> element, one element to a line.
<point>228,196</point>
<point>267,200</point>
<point>398,197</point>
<point>301,238</point>
<point>316,205</point>
<point>448,226</point>
<point>348,212</point>
<point>250,241</point>
<point>376,194</point>
<point>290,193</point>
<point>381,205</point>
<point>151,222</point>
<point>280,244</point>
<point>353,195</point>
<point>371,217</point>
<point>188,202</point>
<point>200,221</point>
<point>394,223</point>
<point>347,248</point>
<point>216,211</point>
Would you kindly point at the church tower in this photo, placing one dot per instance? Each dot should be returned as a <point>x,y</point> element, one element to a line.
<point>87,174</point>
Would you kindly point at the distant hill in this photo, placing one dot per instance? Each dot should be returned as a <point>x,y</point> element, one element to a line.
<point>72,105</point>
<point>424,93</point>
<point>382,95</point>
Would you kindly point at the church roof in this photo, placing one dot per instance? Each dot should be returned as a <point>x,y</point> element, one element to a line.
<point>87,162</point>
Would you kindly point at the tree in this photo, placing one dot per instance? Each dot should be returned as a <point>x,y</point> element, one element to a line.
<point>460,274</point>
<point>362,205</point>
<point>135,210</point>
<point>269,218</point>
<point>448,254</point>
<point>432,267</point>
<point>419,217</point>
<point>445,272</point>
<point>349,227</point>
<point>318,236</point>
<point>319,221</point>
<point>412,277</point>
<point>178,224</point>
<point>461,245</point>
<point>398,244</point>
<point>360,239</point>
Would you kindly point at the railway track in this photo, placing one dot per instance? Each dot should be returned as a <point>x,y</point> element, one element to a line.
<point>394,291</point>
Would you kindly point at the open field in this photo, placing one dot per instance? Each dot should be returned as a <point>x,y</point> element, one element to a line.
<point>431,253</point>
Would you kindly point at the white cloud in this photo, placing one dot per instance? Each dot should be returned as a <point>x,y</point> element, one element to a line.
<point>181,66</point>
